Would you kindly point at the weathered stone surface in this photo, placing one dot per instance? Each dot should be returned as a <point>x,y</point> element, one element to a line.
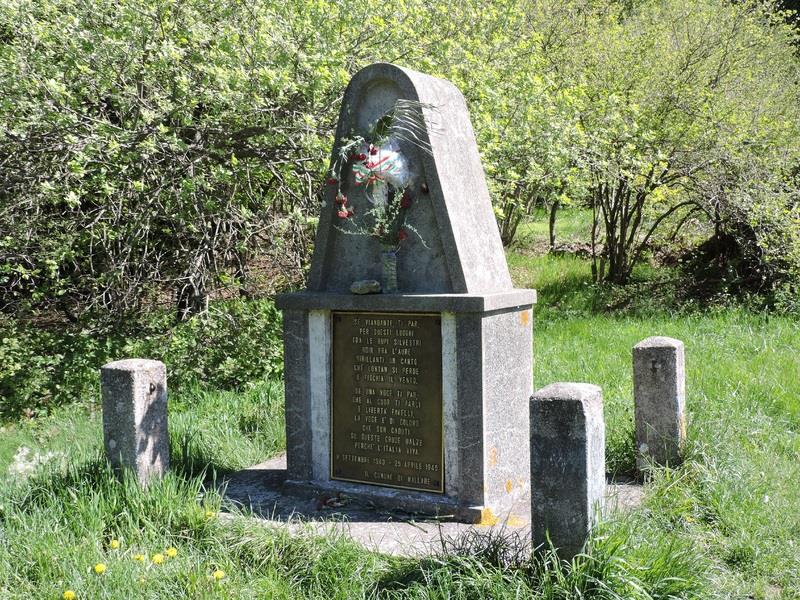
<point>506,370</point>
<point>659,391</point>
<point>383,527</point>
<point>462,251</point>
<point>567,464</point>
<point>455,303</point>
<point>365,286</point>
<point>135,429</point>
<point>297,393</point>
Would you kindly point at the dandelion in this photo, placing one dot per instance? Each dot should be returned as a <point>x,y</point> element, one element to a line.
<point>172,552</point>
<point>218,575</point>
<point>100,568</point>
<point>158,558</point>
<point>114,544</point>
<point>138,557</point>
<point>68,595</point>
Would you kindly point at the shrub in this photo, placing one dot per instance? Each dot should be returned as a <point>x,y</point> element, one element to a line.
<point>231,346</point>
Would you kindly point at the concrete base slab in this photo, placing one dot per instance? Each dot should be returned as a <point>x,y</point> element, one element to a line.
<point>441,508</point>
<point>261,489</point>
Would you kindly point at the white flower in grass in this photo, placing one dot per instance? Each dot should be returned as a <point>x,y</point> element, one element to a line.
<point>26,463</point>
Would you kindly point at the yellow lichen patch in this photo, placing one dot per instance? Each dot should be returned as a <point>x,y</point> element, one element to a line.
<point>516,521</point>
<point>509,486</point>
<point>524,318</point>
<point>493,456</point>
<point>487,518</point>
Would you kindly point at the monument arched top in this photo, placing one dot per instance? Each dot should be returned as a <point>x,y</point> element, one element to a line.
<point>456,248</point>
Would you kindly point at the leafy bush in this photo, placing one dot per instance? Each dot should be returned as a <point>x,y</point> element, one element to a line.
<point>233,345</point>
<point>150,149</point>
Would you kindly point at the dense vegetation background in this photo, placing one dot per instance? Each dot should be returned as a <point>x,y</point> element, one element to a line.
<point>152,151</point>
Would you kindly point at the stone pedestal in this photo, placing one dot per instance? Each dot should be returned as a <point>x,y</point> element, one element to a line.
<point>417,399</point>
<point>659,398</point>
<point>486,364</point>
<point>135,429</point>
<point>567,464</point>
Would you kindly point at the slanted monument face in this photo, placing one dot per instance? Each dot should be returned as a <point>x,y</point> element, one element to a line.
<point>415,398</point>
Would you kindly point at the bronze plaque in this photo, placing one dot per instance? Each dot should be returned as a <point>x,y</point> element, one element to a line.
<point>386,421</point>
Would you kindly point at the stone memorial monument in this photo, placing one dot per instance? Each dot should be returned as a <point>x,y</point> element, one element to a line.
<point>409,356</point>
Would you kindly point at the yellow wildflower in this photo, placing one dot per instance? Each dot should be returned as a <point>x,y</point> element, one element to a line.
<point>172,552</point>
<point>139,557</point>
<point>100,568</point>
<point>69,595</point>
<point>218,574</point>
<point>210,514</point>
<point>114,544</point>
<point>158,558</point>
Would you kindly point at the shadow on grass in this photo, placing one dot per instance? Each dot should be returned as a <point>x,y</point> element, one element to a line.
<point>51,486</point>
<point>462,557</point>
<point>617,558</point>
<point>648,293</point>
<point>572,291</point>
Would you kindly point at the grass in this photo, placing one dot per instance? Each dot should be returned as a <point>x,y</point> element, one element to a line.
<point>572,226</point>
<point>724,525</point>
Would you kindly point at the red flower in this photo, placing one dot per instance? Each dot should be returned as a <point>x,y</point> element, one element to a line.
<point>341,199</point>
<point>405,201</point>
<point>402,235</point>
<point>332,180</point>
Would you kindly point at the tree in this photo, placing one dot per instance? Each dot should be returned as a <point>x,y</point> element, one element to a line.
<point>675,96</point>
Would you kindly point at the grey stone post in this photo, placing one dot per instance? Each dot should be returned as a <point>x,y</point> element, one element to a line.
<point>567,464</point>
<point>659,399</point>
<point>135,417</point>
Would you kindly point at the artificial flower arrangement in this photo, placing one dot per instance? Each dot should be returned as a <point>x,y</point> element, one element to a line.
<point>388,179</point>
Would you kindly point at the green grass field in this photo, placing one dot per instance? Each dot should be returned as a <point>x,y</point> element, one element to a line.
<point>724,525</point>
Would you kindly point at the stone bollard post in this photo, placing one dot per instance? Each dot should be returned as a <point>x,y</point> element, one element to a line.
<point>659,399</point>
<point>568,476</point>
<point>135,417</point>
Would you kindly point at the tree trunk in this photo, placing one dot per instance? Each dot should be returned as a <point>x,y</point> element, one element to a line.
<point>552,225</point>
<point>595,223</point>
<point>191,300</point>
<point>718,242</point>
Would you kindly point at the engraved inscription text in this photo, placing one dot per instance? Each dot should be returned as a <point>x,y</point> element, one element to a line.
<point>387,400</point>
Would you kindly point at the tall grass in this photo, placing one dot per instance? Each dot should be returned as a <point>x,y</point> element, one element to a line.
<point>736,498</point>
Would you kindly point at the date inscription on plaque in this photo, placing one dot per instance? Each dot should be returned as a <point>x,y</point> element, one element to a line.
<point>386,418</point>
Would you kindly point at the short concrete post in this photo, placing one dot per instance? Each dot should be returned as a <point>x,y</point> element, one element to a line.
<point>659,399</point>
<point>135,417</point>
<point>567,464</point>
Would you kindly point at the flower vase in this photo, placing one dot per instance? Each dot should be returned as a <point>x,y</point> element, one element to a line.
<point>389,269</point>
